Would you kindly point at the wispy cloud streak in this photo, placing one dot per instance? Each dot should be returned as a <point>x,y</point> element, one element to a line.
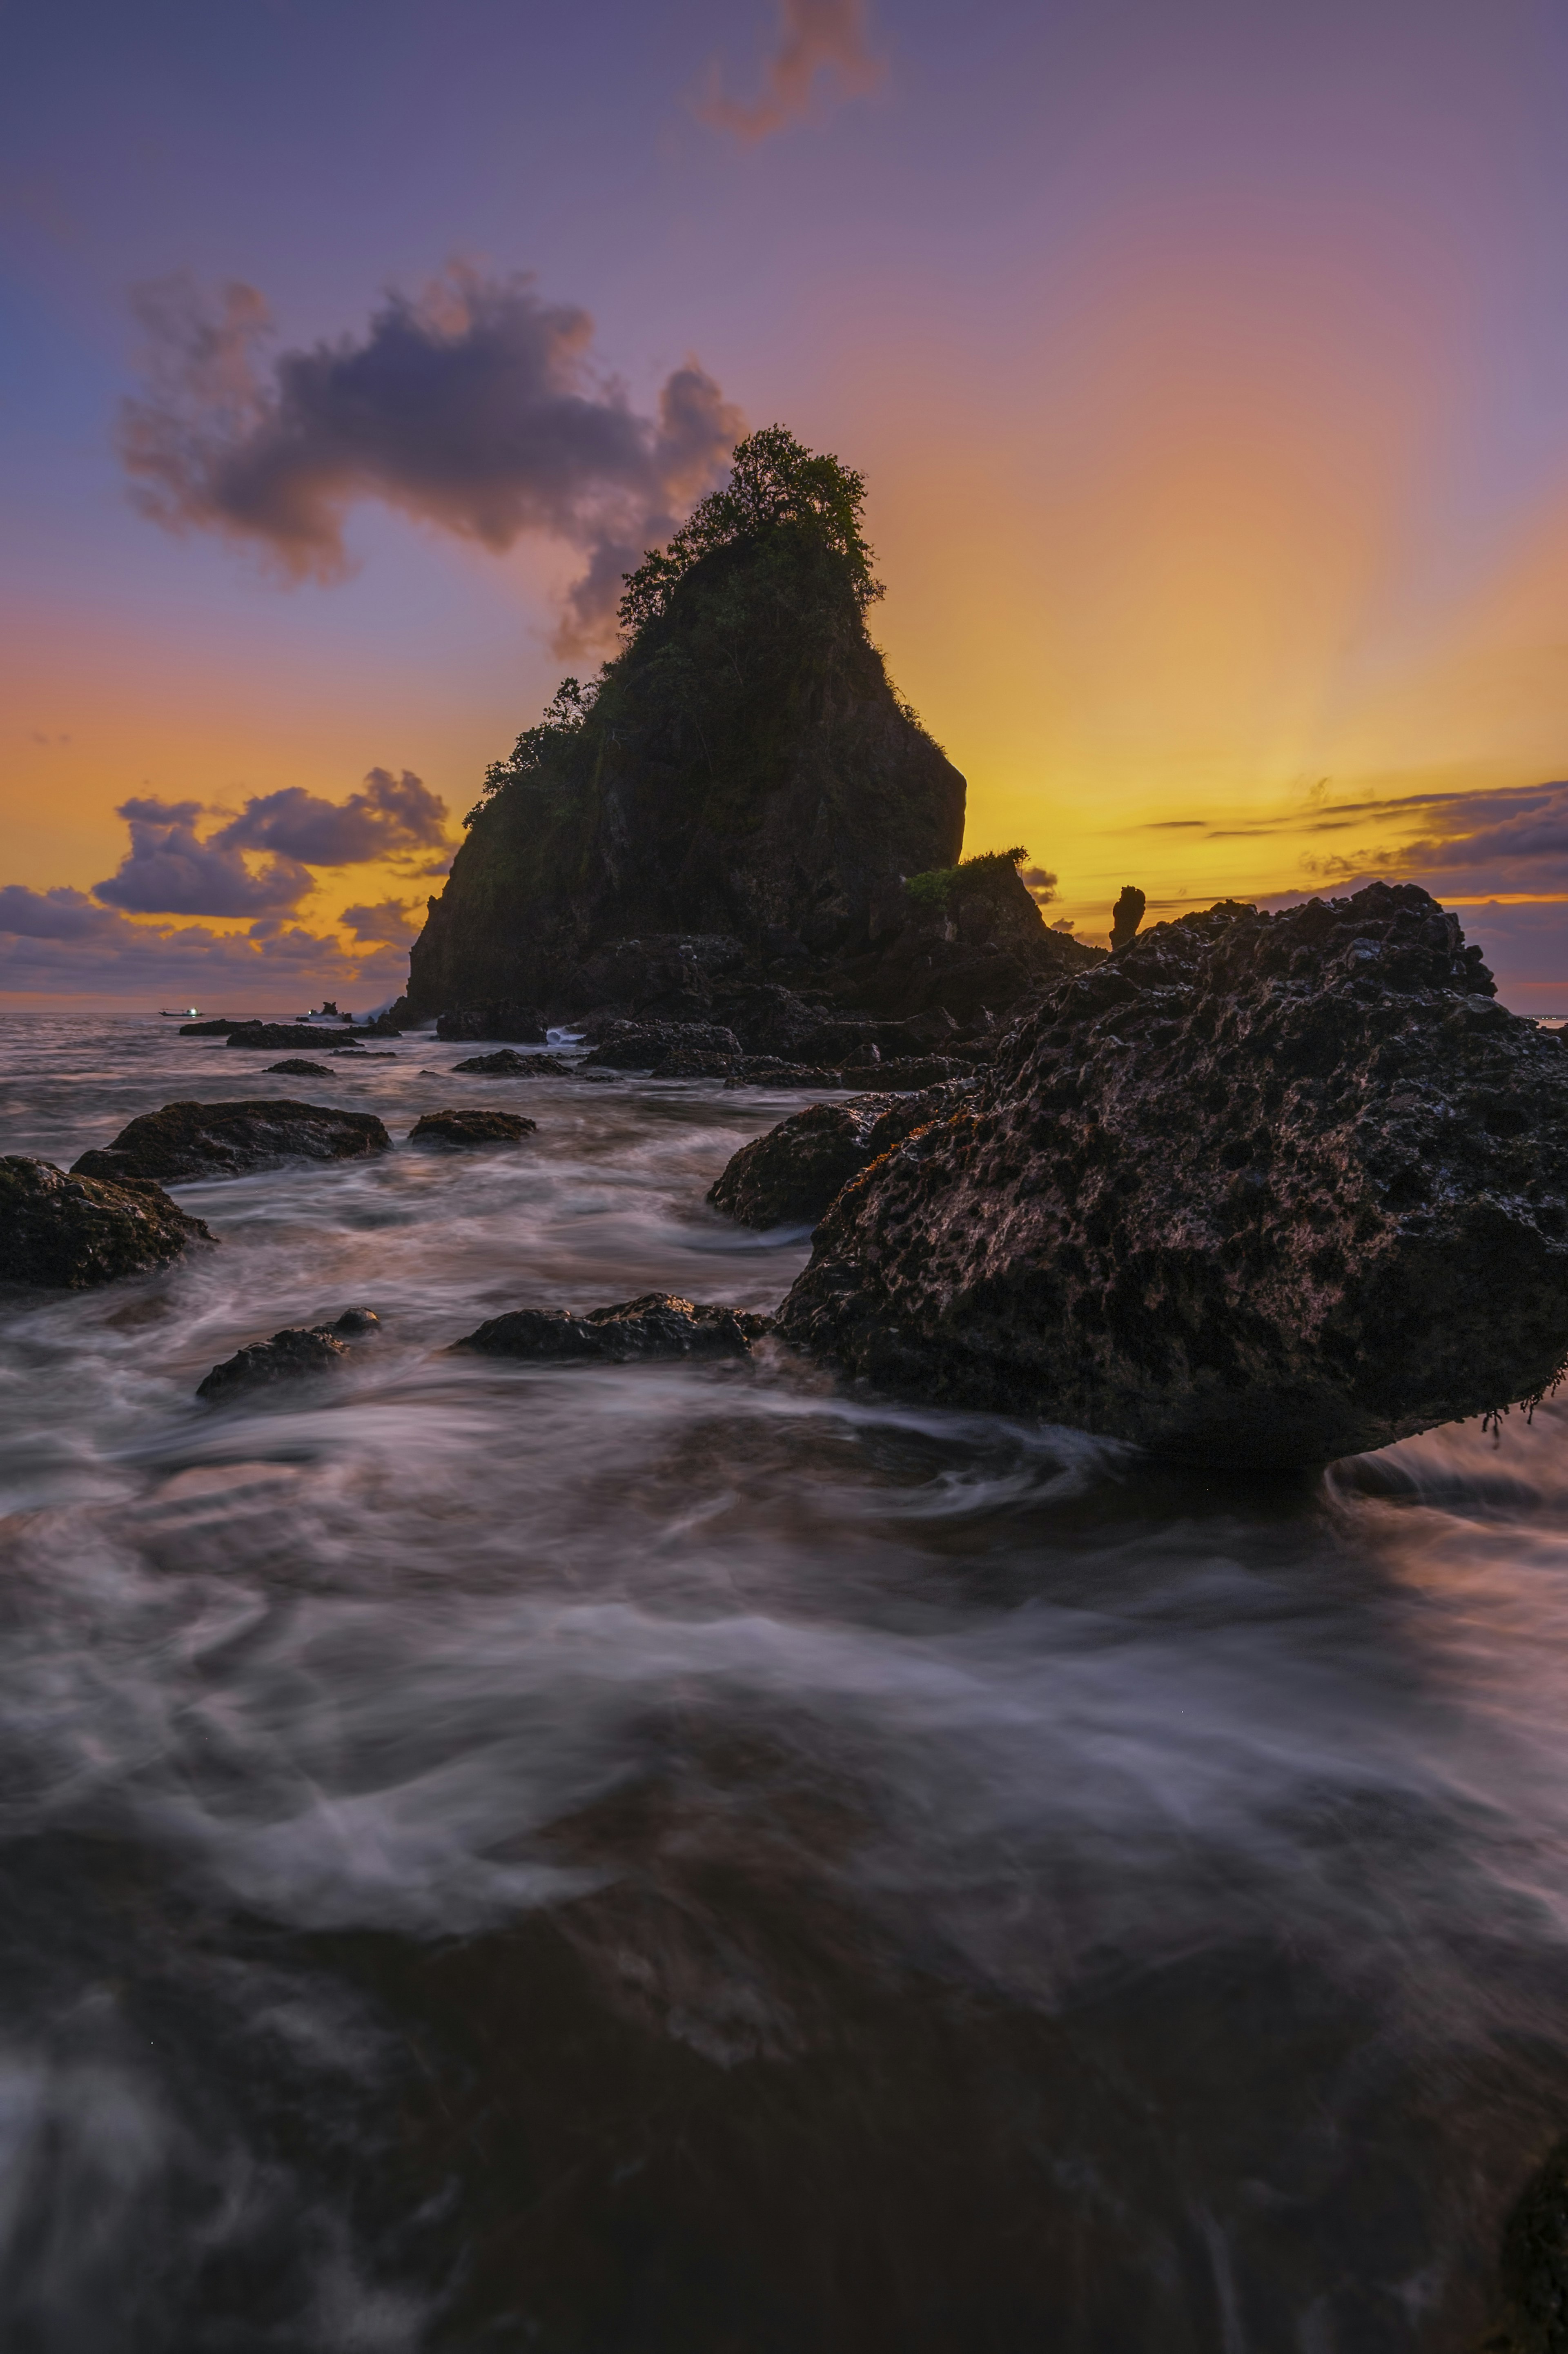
<point>819,41</point>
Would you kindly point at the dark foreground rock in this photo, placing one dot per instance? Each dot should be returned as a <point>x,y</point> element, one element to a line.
<point>72,1233</point>
<point>275,1037</point>
<point>498,1018</point>
<point>1533,2265</point>
<point>790,1176</point>
<point>506,1062</point>
<point>654,1045</point>
<point>300,1350</point>
<point>296,1068</point>
<point>656,1326</point>
<point>463,1129</point>
<point>185,1142</point>
<point>1257,1192</point>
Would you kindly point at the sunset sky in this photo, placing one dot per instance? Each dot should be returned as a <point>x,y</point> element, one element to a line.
<point>1208,363</point>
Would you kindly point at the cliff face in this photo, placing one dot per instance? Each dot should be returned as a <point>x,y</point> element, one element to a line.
<point>745,771</point>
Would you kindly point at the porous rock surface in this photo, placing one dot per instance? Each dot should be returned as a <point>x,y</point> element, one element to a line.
<point>72,1233</point>
<point>497,1018</point>
<point>657,1325</point>
<point>185,1142</point>
<point>461,1128</point>
<point>271,1036</point>
<point>650,1046</point>
<point>289,1355</point>
<point>1256,1192</point>
<point>297,1068</point>
<point>790,1176</point>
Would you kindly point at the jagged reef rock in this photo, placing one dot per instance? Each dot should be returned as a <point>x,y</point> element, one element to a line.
<point>288,1355</point>
<point>657,1325</point>
<point>297,1068</point>
<point>73,1232</point>
<point>500,1018</point>
<point>1258,1191</point>
<point>650,1046</point>
<point>790,1176</point>
<point>463,1128</point>
<point>185,1142</point>
<point>746,772</point>
<point>506,1064</point>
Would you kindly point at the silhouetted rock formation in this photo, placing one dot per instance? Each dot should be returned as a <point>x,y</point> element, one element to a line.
<point>498,1018</point>
<point>296,1068</point>
<point>657,1326</point>
<point>506,1064</point>
<point>72,1233</point>
<point>270,1037</point>
<point>1126,916</point>
<point>186,1142</point>
<point>290,1355</point>
<point>460,1129</point>
<point>1260,1191</point>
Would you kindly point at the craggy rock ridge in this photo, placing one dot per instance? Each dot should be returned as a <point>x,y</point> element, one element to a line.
<point>657,1326</point>
<point>793,1174</point>
<point>289,1354</point>
<point>185,1142</point>
<point>1257,1192</point>
<point>73,1232</point>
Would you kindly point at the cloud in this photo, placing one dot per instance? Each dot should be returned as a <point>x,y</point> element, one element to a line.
<point>476,409</point>
<point>390,815</point>
<point>394,921</point>
<point>1513,838</point>
<point>169,871</point>
<point>816,39</point>
<point>58,943</point>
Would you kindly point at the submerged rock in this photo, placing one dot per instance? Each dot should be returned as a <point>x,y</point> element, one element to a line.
<point>1259,1191</point>
<point>185,1142</point>
<point>72,1233</point>
<point>658,1325</point>
<point>296,1068</point>
<point>790,1176</point>
<point>650,1046</point>
<point>498,1018</point>
<point>506,1062</point>
<point>470,1127</point>
<point>299,1350</point>
<point>270,1037</point>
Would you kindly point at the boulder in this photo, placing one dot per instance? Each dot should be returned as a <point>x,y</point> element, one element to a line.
<point>645,1045</point>
<point>681,1064</point>
<point>185,1142</point>
<point>768,1071</point>
<point>297,1068</point>
<point>302,1349</point>
<point>73,1232</point>
<point>790,1176</point>
<point>656,1326</point>
<point>497,1018</point>
<point>274,1037</point>
<point>219,1027</point>
<point>1259,1191</point>
<point>506,1064</point>
<point>461,1129</point>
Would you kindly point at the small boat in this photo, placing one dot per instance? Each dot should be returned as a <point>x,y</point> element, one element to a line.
<point>180,1012</point>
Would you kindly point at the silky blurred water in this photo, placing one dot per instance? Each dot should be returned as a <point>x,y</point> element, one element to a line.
<point>617,1860</point>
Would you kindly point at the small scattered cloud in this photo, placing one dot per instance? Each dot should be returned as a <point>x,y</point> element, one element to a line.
<point>477,408</point>
<point>819,42</point>
<point>1040,883</point>
<point>395,922</point>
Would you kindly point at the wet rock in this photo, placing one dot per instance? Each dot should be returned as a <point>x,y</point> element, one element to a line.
<point>274,1037</point>
<point>219,1027</point>
<point>1257,1192</point>
<point>770,1071</point>
<point>1534,2266</point>
<point>905,1073</point>
<point>497,1018</point>
<point>790,1176</point>
<point>506,1062</point>
<point>72,1233</point>
<point>461,1129</point>
<point>681,1064</point>
<point>657,1326</point>
<point>185,1142</point>
<point>647,1045</point>
<point>297,1068</point>
<point>299,1350</point>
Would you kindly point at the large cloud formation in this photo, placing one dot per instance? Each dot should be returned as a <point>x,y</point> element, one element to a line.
<point>170,869</point>
<point>816,39</point>
<point>476,409</point>
<point>60,943</point>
